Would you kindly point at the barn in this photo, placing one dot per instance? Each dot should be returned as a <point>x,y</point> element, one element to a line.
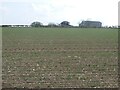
<point>91,24</point>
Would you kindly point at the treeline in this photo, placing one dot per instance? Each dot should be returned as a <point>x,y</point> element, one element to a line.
<point>39,24</point>
<point>62,24</point>
<point>55,26</point>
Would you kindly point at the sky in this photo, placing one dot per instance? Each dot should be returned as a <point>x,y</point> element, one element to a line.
<point>55,11</point>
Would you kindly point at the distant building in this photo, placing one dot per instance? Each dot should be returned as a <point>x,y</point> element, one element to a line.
<point>91,24</point>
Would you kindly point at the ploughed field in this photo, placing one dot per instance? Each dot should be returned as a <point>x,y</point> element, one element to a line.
<point>59,57</point>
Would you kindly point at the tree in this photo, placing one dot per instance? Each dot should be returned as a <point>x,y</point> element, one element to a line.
<point>36,24</point>
<point>118,26</point>
<point>65,23</point>
<point>52,25</point>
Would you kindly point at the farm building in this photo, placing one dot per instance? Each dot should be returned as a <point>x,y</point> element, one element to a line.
<point>92,24</point>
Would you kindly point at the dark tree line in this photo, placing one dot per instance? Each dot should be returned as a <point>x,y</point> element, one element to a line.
<point>62,24</point>
<point>5,25</point>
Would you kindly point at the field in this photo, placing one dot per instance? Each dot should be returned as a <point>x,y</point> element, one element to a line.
<point>60,57</point>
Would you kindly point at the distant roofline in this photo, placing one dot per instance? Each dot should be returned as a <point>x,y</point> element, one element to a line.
<point>92,21</point>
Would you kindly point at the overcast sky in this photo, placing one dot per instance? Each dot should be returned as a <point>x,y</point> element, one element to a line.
<point>56,11</point>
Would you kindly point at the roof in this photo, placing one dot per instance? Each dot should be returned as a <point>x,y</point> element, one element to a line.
<point>93,21</point>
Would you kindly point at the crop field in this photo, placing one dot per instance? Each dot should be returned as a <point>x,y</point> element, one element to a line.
<point>59,57</point>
